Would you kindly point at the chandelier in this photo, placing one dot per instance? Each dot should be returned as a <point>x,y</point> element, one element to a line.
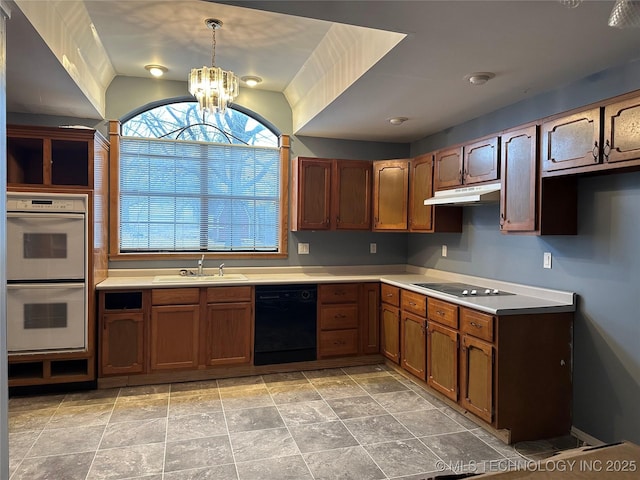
<point>212,86</point>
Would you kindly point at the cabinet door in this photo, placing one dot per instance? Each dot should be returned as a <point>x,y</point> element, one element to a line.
<point>369,312</point>
<point>174,336</point>
<point>442,360</point>
<point>571,141</point>
<point>390,332</point>
<point>622,131</point>
<point>229,333</point>
<point>448,168</point>
<point>518,196</point>
<point>122,343</point>
<point>351,195</point>
<point>421,188</point>
<point>48,156</point>
<point>476,377</point>
<point>390,194</point>
<point>414,344</point>
<point>481,161</point>
<point>313,196</point>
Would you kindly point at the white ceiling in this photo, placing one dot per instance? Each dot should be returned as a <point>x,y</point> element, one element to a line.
<point>531,46</point>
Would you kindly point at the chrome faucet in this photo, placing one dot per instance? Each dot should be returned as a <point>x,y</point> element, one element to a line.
<point>201,266</point>
<point>221,270</point>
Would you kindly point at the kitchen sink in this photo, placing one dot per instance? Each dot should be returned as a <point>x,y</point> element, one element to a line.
<point>228,277</point>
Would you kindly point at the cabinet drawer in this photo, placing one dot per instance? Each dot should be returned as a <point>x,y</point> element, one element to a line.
<point>443,312</point>
<point>229,294</point>
<point>339,317</point>
<point>477,324</point>
<point>414,303</point>
<point>390,295</point>
<point>338,342</point>
<point>338,293</point>
<point>175,296</point>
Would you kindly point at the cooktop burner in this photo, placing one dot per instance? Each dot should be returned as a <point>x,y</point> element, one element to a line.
<point>463,289</point>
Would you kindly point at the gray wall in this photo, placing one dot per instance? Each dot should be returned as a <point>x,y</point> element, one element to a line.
<point>600,264</point>
<point>326,248</point>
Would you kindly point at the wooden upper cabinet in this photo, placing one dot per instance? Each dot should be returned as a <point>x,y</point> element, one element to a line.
<point>390,194</point>
<point>420,188</point>
<point>622,131</point>
<point>481,161</point>
<point>518,195</point>
<point>448,168</point>
<point>331,194</point>
<point>474,163</point>
<point>51,156</point>
<point>571,141</point>
<point>311,209</point>
<point>351,193</point>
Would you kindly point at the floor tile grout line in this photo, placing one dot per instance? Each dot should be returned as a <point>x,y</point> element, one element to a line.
<point>392,416</point>
<point>104,431</point>
<point>290,434</point>
<point>226,424</point>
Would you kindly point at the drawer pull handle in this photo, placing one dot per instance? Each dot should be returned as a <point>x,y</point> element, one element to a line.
<point>340,315</point>
<point>413,304</point>
<point>339,342</point>
<point>474,324</point>
<point>389,294</point>
<point>440,312</point>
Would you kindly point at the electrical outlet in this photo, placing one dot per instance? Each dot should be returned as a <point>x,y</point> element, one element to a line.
<point>444,250</point>
<point>546,262</point>
<point>303,249</point>
<point>373,248</point>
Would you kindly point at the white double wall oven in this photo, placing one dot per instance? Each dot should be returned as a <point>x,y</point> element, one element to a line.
<point>47,258</point>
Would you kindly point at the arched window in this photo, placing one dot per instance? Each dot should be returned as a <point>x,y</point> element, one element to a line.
<point>188,184</point>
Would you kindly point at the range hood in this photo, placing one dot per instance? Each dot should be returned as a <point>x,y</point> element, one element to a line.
<point>478,194</point>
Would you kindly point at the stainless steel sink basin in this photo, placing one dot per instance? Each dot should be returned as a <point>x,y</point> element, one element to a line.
<point>228,277</point>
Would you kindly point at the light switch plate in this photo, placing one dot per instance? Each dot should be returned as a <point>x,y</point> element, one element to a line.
<point>373,248</point>
<point>303,249</point>
<point>444,250</point>
<point>546,261</point>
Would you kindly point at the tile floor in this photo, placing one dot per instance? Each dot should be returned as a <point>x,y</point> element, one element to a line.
<point>360,423</point>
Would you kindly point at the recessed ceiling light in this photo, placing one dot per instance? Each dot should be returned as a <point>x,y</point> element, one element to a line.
<point>479,78</point>
<point>251,80</point>
<point>397,120</point>
<point>156,70</point>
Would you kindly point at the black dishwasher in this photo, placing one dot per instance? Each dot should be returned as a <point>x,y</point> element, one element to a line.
<point>285,324</point>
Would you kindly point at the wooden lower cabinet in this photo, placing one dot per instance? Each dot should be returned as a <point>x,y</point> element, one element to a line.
<point>442,359</point>
<point>122,343</point>
<point>369,313</point>
<point>390,322</point>
<point>390,332</point>
<point>229,333</point>
<point>229,326</point>
<point>413,344</point>
<point>476,377</point>
<point>174,333</point>
<point>338,321</point>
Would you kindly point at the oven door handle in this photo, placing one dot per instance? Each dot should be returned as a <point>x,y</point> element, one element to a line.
<point>16,286</point>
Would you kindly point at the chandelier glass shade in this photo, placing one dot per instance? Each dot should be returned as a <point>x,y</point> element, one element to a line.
<point>212,86</point>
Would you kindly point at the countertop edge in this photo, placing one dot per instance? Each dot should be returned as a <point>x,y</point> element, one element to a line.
<point>528,300</point>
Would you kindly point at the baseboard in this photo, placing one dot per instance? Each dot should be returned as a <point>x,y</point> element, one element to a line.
<point>585,437</point>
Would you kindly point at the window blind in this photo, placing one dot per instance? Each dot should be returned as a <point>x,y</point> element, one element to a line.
<point>180,196</point>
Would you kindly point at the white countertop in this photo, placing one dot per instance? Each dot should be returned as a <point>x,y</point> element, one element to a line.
<point>527,299</point>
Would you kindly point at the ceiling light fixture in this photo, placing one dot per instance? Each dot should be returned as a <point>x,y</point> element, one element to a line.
<point>156,70</point>
<point>397,120</point>
<point>251,80</point>
<point>625,14</point>
<point>212,86</point>
<point>479,78</point>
